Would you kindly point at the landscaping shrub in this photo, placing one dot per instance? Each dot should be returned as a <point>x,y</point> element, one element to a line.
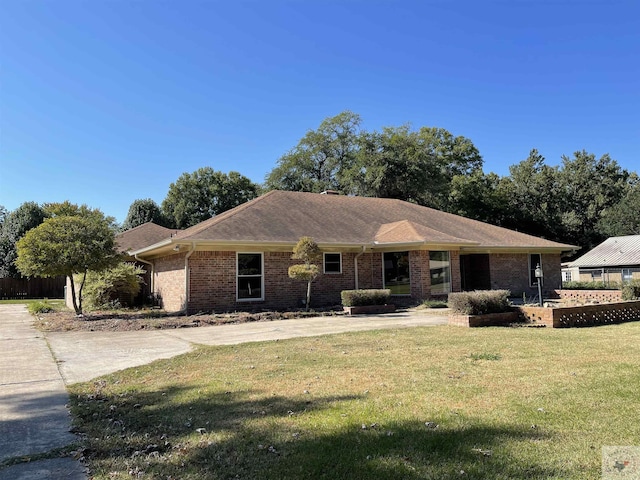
<point>480,302</point>
<point>631,290</point>
<point>359,298</point>
<point>590,286</point>
<point>114,287</point>
<point>434,304</point>
<point>40,307</point>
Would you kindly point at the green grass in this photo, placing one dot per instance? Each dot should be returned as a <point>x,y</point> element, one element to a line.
<point>424,403</point>
<point>57,303</point>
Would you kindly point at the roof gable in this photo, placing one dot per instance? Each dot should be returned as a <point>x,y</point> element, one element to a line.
<point>405,231</point>
<point>142,236</point>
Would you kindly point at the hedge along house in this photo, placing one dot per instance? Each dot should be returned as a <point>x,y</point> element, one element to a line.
<point>239,259</point>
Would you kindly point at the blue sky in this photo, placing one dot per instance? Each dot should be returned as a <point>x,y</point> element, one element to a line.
<point>105,102</point>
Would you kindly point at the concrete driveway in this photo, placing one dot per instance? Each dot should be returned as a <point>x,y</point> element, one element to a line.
<point>82,356</point>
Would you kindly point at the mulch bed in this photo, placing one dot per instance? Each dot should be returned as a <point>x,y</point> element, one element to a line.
<point>120,321</point>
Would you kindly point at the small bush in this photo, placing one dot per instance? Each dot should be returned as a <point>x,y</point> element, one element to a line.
<point>631,290</point>
<point>359,298</point>
<point>40,307</point>
<point>590,286</point>
<point>112,288</point>
<point>434,304</point>
<point>480,302</point>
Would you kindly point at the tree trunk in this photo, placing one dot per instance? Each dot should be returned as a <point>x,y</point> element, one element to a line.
<point>308,295</point>
<point>73,296</point>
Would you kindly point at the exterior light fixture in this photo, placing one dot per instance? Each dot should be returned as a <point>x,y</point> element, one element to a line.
<point>539,275</point>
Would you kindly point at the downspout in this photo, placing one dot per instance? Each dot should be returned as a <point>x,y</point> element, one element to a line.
<point>152,272</point>
<point>187,290</point>
<point>355,266</point>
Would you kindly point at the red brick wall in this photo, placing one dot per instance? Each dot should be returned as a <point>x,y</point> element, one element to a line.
<point>213,283</point>
<point>510,271</point>
<point>212,279</point>
<point>170,281</point>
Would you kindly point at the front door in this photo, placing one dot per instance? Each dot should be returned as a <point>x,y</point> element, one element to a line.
<point>475,272</point>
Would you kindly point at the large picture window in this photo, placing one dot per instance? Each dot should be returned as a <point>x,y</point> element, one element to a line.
<point>250,276</point>
<point>440,269</point>
<point>332,263</point>
<point>396,273</point>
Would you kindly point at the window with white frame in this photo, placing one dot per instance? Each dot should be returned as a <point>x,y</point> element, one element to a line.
<point>332,263</point>
<point>250,278</point>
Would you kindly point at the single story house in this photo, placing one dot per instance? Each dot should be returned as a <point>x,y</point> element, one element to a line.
<point>615,260</point>
<point>239,260</point>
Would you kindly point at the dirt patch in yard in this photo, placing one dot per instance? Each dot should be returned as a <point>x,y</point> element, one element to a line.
<point>103,321</point>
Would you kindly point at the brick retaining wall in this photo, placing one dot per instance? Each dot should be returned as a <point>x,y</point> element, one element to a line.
<point>585,296</point>
<point>583,316</point>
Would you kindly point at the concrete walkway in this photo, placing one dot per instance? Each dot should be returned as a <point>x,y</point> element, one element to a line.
<point>33,415</point>
<point>34,369</point>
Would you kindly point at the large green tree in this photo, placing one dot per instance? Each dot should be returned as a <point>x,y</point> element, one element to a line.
<point>73,241</point>
<point>321,158</point>
<point>416,166</point>
<point>200,195</point>
<point>16,223</point>
<point>533,197</point>
<point>589,186</point>
<point>142,211</point>
<point>622,218</point>
<point>396,162</point>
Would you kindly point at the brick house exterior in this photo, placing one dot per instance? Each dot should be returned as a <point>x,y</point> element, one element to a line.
<point>239,260</point>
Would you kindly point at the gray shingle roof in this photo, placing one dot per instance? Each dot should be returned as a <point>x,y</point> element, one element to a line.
<point>142,236</point>
<point>284,217</point>
<point>613,252</point>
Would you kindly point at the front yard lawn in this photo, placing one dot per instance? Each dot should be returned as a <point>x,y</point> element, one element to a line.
<point>419,403</point>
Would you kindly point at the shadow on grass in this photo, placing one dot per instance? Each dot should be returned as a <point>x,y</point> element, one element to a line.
<point>250,435</point>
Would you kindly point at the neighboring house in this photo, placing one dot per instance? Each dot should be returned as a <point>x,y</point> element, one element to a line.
<point>617,259</point>
<point>239,259</point>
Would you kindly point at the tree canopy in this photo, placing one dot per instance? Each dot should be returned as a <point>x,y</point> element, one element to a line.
<point>396,162</point>
<point>142,211</point>
<point>15,224</point>
<point>200,195</point>
<point>68,244</point>
<point>321,159</point>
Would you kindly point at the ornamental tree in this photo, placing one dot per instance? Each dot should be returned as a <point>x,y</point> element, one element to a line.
<point>67,245</point>
<point>308,251</point>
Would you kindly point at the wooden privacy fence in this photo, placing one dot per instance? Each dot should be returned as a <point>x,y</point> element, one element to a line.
<point>22,288</point>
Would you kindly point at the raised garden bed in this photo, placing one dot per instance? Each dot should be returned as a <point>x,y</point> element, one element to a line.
<point>369,309</point>
<point>485,320</point>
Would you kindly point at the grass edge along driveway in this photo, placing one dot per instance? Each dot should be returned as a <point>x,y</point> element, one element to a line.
<point>438,402</point>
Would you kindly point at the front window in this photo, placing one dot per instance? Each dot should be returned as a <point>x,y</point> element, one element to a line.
<point>535,259</point>
<point>250,278</point>
<point>440,269</point>
<point>332,263</point>
<point>396,273</point>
